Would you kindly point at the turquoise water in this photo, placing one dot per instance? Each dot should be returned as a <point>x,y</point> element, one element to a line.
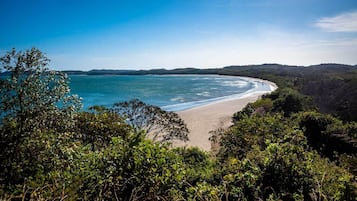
<point>170,92</point>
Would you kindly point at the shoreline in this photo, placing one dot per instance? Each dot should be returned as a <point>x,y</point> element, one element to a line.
<point>203,119</point>
<point>180,107</point>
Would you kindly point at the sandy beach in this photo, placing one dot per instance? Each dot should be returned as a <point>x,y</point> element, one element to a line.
<point>201,120</point>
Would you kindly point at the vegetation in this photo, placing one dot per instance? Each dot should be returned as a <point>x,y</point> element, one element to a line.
<point>279,148</point>
<point>34,101</point>
<point>331,87</point>
<point>159,124</point>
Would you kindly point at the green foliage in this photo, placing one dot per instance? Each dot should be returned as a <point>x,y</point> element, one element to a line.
<point>289,101</point>
<point>287,172</point>
<point>36,156</point>
<point>247,111</point>
<point>240,138</point>
<point>125,170</point>
<point>193,157</point>
<point>265,103</point>
<point>267,157</point>
<point>97,128</point>
<point>327,134</point>
<point>135,169</point>
<point>259,107</point>
<point>32,96</point>
<point>199,167</point>
<point>352,130</point>
<point>35,102</point>
<point>159,125</point>
<point>280,171</point>
<point>284,100</point>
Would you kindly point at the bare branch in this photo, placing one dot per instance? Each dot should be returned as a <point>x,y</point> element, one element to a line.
<point>158,124</point>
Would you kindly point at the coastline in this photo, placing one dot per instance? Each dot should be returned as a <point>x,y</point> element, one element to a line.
<point>203,119</point>
<point>195,104</point>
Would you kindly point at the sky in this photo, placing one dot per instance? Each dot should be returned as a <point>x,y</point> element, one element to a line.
<point>147,34</point>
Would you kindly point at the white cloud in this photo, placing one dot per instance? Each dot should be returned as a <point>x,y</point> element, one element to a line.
<point>346,22</point>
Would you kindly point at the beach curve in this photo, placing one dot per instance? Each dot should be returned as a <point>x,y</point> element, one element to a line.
<point>203,119</point>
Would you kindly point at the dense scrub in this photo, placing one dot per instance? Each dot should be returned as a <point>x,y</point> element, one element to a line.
<point>279,148</point>
<point>332,87</point>
<point>290,160</point>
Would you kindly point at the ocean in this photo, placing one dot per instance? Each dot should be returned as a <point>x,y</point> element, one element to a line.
<point>170,92</point>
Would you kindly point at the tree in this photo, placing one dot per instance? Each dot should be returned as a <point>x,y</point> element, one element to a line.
<point>253,131</point>
<point>326,134</point>
<point>98,127</point>
<point>160,125</point>
<point>32,96</point>
<point>289,101</point>
<point>34,100</point>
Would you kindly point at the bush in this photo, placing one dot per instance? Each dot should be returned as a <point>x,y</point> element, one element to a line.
<point>327,134</point>
<point>289,101</point>
<point>97,128</point>
<point>240,138</point>
<point>268,157</point>
<point>158,124</point>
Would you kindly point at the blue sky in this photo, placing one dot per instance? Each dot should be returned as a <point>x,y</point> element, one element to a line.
<point>141,34</point>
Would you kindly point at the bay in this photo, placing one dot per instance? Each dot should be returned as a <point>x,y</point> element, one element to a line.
<point>170,92</point>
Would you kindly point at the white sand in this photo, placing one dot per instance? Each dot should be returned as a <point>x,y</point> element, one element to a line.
<point>201,120</point>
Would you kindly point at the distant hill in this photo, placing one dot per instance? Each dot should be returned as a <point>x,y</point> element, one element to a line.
<point>229,70</point>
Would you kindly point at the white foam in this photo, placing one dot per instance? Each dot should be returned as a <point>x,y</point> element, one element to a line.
<point>260,87</point>
<point>235,83</point>
<point>178,98</point>
<point>204,93</point>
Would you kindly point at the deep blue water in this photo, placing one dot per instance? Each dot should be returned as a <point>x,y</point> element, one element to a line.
<point>171,92</point>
